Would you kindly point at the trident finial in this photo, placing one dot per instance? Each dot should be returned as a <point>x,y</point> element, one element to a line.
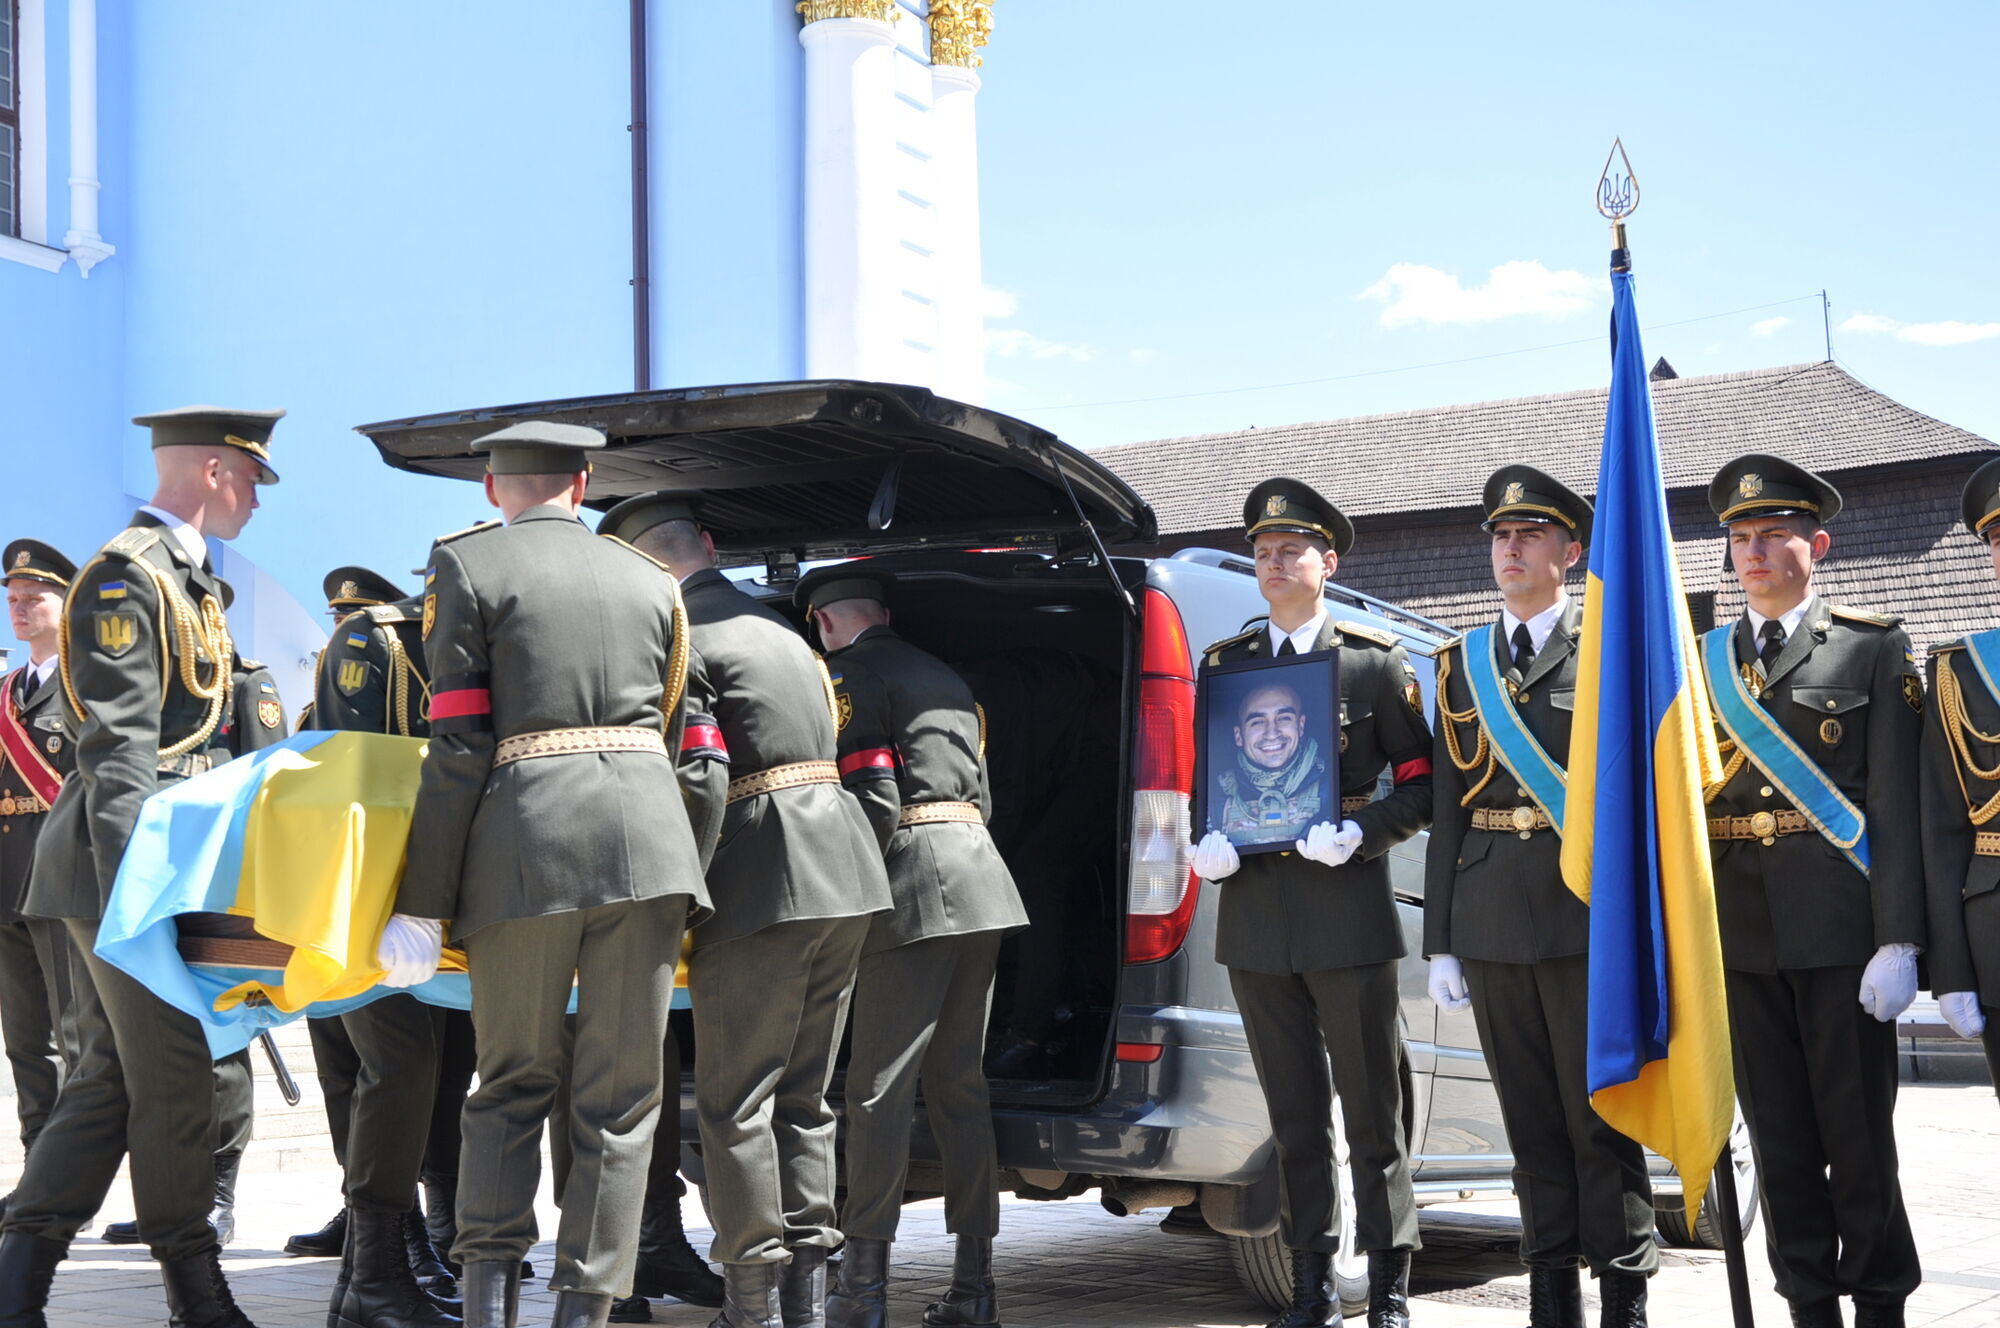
<point>1618,198</point>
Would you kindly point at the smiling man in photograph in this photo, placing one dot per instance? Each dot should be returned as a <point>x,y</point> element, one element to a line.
<point>1276,789</point>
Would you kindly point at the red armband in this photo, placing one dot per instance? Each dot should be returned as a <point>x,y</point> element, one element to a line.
<point>464,701</point>
<point>872,762</point>
<point>1417,769</point>
<point>705,739</point>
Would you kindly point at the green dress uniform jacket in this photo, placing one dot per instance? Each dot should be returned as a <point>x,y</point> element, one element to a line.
<point>794,853</point>
<point>911,735</point>
<point>41,714</point>
<point>256,717</point>
<point>1499,894</point>
<point>1961,782</point>
<point>513,652</point>
<point>372,675</point>
<point>1845,689</point>
<point>1281,913</point>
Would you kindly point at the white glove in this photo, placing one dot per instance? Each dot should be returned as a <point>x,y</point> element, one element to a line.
<point>1215,857</point>
<point>1889,983</point>
<point>1961,1010</point>
<point>409,949</point>
<point>1324,844</point>
<point>1448,987</point>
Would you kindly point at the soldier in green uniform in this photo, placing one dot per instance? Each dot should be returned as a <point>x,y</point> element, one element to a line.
<point>795,878</point>
<point>1311,937</point>
<point>1505,935</point>
<point>35,755</point>
<point>550,831</point>
<point>1961,793</point>
<point>372,678</point>
<point>1819,893</point>
<point>145,660</point>
<point>912,748</point>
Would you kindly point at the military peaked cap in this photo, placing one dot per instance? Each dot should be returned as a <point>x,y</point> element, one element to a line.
<point>635,516</point>
<point>351,588</point>
<point>1760,484</point>
<point>32,560</point>
<point>539,447</point>
<point>211,426</point>
<point>1283,504</point>
<point>1981,503</point>
<point>1522,493</point>
<point>853,580</point>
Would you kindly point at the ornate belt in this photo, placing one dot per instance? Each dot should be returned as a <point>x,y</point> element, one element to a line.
<point>938,813</point>
<point>188,764</point>
<point>795,775</point>
<point>1511,820</point>
<point>1765,826</point>
<point>1986,843</point>
<point>571,742</point>
<point>1355,804</point>
<point>26,804</point>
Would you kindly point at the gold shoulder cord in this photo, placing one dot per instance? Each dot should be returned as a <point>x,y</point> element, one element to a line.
<point>401,670</point>
<point>826,681</point>
<point>190,631</point>
<point>981,710</point>
<point>677,668</point>
<point>1483,753</point>
<point>1958,727</point>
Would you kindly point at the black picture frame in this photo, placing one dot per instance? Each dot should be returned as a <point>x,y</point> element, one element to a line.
<point>1222,780</point>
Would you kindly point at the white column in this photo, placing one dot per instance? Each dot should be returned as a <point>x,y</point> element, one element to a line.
<point>961,349</point>
<point>85,245</point>
<point>850,279</point>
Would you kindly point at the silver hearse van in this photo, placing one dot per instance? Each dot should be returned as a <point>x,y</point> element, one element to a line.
<point>1117,1057</point>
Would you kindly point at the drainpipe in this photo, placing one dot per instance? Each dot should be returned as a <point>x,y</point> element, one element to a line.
<point>642,259</point>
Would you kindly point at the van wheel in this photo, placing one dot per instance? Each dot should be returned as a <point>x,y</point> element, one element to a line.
<point>1706,1233</point>
<point>1264,1266</point>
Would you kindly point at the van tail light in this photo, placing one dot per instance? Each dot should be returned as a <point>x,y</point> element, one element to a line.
<point>1162,892</point>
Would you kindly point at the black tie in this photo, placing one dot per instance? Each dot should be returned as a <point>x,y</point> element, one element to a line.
<point>1773,638</point>
<point>1524,649</point>
<point>1286,648</point>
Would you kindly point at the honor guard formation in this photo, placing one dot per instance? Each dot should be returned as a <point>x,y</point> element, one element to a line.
<point>635,766</point>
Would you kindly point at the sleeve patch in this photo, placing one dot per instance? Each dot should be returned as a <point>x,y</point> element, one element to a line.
<point>1913,692</point>
<point>116,630</point>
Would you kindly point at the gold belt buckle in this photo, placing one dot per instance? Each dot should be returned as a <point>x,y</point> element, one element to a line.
<point>1764,826</point>
<point>1524,819</point>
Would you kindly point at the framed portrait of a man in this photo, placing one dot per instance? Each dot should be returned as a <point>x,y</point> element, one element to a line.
<point>1267,767</point>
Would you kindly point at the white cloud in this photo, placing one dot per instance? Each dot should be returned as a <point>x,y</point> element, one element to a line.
<point>1765,327</point>
<point>1950,332</point>
<point>1019,343</point>
<point>999,303</point>
<point>1414,293</point>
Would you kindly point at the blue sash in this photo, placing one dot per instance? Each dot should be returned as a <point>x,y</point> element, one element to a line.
<point>1984,647</point>
<point>1547,783</point>
<point>1773,752</point>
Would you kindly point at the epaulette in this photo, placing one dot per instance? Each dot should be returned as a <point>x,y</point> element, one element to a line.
<point>1229,641</point>
<point>250,665</point>
<point>1381,638</point>
<point>393,613</point>
<point>623,544</point>
<point>1947,647</point>
<point>1864,615</point>
<point>1438,650</point>
<point>133,541</point>
<point>461,534</point>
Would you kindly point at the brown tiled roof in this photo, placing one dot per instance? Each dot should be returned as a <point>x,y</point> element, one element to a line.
<point>1430,460</point>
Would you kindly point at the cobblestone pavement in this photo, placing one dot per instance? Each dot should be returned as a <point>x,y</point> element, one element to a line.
<point>1073,1263</point>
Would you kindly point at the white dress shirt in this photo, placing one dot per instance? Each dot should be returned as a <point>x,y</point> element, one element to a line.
<point>1538,626</point>
<point>184,534</point>
<point>1303,640</point>
<point>1789,620</point>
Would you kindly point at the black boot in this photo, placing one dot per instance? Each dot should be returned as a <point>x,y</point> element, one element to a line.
<point>1623,1296</point>
<point>1314,1301</point>
<point>668,1265</point>
<point>969,1301</point>
<point>859,1297</point>
<point>120,1233</point>
<point>223,1216</point>
<point>492,1293</point>
<point>1388,1289</point>
<point>1555,1298</point>
<point>582,1309</point>
<point>441,1214</point>
<point>380,1290</point>
<point>749,1296</point>
<point>429,1270</point>
<point>27,1270</point>
<point>802,1288</point>
<point>632,1309</point>
<point>326,1243</point>
<point>1877,1314</point>
<point>198,1294</point>
<point>1815,1313</point>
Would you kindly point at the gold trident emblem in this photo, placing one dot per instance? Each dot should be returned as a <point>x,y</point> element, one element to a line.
<point>1512,495</point>
<point>1750,485</point>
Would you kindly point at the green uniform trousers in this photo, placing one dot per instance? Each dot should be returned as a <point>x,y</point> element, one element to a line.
<point>235,1118</point>
<point>1300,1027</point>
<point>397,1042</point>
<point>144,1081</point>
<point>621,959</point>
<point>663,1179</point>
<point>35,989</point>
<point>335,1065</point>
<point>768,1009</point>
<point>1816,1077</point>
<point>1582,1185</point>
<point>1991,1040</point>
<point>920,1013</point>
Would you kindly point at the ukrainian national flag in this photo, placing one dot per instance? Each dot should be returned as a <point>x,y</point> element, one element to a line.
<point>1635,847</point>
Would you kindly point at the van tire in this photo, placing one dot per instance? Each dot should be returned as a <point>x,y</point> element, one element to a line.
<point>1706,1234</point>
<point>1264,1266</point>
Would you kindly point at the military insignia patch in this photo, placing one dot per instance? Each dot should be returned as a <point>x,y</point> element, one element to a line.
<point>843,711</point>
<point>353,675</point>
<point>1414,695</point>
<point>430,614</point>
<point>1513,494</point>
<point>116,630</point>
<point>1913,692</point>
<point>111,590</point>
<point>1274,505</point>
<point>1749,485</point>
<point>21,558</point>
<point>1830,732</point>
<point>268,714</point>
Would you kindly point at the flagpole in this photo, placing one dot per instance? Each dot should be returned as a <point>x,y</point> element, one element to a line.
<point>1617,199</point>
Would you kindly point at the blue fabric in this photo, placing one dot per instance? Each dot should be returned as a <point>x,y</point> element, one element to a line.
<point>1518,749</point>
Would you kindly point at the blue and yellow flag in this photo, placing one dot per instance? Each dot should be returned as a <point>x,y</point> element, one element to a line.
<point>1636,844</point>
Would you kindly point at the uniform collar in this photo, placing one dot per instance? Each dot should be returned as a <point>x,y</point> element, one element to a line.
<point>185,535</point>
<point>545,512</point>
<point>1538,626</point>
<point>1789,620</point>
<point>1304,640</point>
<point>42,672</point>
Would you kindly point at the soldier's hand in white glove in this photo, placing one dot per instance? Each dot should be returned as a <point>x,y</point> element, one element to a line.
<point>1889,983</point>
<point>409,949</point>
<point>1961,1010</point>
<point>1215,857</point>
<point>1324,844</point>
<point>1448,987</point>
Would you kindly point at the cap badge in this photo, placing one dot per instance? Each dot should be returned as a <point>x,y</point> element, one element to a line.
<point>21,558</point>
<point>1274,505</point>
<point>1512,495</point>
<point>348,590</point>
<point>1750,485</point>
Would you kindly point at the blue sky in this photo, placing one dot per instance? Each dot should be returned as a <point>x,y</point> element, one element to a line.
<point>1186,198</point>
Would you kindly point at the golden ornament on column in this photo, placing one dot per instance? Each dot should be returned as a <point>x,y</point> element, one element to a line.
<point>958,29</point>
<point>882,11</point>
